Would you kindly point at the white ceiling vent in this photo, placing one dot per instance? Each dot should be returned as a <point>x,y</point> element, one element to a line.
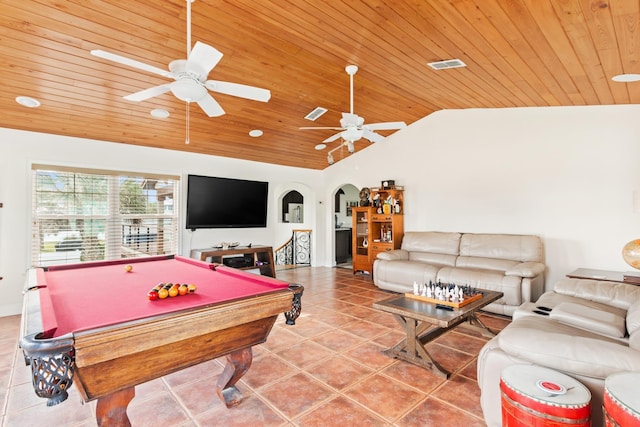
<point>317,112</point>
<point>449,63</point>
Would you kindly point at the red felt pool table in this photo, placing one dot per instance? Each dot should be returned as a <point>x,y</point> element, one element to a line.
<point>93,324</point>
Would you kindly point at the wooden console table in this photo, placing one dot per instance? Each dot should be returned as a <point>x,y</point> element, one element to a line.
<point>606,275</point>
<point>261,257</point>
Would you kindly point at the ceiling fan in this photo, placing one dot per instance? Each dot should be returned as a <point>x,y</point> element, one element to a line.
<point>190,75</point>
<point>352,126</point>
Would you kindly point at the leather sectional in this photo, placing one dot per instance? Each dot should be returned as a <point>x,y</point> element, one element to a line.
<point>587,329</point>
<point>512,264</point>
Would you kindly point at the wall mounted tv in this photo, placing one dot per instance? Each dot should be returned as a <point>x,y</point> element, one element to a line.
<point>226,203</point>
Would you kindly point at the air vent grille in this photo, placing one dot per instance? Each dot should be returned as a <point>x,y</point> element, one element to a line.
<point>449,63</point>
<point>317,112</point>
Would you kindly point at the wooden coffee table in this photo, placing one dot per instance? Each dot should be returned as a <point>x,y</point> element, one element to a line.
<point>423,322</point>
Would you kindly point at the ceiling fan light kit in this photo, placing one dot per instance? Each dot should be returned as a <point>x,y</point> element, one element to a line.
<point>352,134</point>
<point>352,127</point>
<point>351,146</point>
<point>330,158</point>
<point>190,75</point>
<point>188,90</point>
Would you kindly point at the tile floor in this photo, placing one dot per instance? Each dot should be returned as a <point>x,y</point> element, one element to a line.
<point>327,370</point>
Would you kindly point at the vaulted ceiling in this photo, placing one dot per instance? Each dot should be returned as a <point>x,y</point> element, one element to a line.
<point>519,53</point>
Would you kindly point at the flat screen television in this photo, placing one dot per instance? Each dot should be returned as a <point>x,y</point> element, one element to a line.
<point>214,202</point>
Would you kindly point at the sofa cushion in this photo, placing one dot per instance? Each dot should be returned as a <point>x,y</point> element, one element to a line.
<point>485,279</point>
<point>431,241</point>
<point>501,265</point>
<point>404,272</point>
<point>605,322</point>
<point>546,342</point>
<point>433,258</point>
<point>502,246</point>
<point>619,295</point>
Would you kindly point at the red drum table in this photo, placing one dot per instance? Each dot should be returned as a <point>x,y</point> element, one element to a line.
<point>541,397</point>
<point>622,400</point>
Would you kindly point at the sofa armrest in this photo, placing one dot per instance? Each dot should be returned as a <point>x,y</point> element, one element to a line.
<point>394,254</point>
<point>526,269</point>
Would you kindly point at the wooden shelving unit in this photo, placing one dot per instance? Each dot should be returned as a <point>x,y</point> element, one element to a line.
<point>377,228</point>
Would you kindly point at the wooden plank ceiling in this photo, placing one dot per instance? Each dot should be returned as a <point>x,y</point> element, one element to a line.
<point>519,53</point>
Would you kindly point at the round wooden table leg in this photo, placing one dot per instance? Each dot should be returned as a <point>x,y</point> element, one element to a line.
<point>238,363</point>
<point>111,410</point>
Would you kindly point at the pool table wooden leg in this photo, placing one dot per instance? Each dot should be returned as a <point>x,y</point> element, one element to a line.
<point>238,362</point>
<point>111,410</point>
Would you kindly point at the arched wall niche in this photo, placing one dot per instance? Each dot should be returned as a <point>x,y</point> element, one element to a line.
<point>292,207</point>
<point>282,194</point>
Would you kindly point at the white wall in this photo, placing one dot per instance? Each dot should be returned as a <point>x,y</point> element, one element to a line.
<point>18,150</point>
<point>567,174</point>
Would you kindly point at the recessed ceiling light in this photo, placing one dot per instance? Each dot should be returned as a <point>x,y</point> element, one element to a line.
<point>321,146</point>
<point>159,113</point>
<point>625,78</point>
<point>255,133</point>
<point>27,101</point>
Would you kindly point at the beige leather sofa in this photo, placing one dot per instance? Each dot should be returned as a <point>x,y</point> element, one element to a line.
<point>592,330</point>
<point>512,264</point>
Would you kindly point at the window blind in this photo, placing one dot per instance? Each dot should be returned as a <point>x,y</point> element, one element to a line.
<point>89,215</point>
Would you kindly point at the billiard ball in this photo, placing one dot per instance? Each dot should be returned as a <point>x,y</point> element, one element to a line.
<point>128,268</point>
<point>191,288</point>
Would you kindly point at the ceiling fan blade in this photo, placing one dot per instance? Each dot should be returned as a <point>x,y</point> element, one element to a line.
<point>202,59</point>
<point>148,93</point>
<point>130,62</point>
<point>386,126</point>
<point>372,136</point>
<point>333,138</point>
<point>319,127</point>
<point>242,91</point>
<point>210,106</point>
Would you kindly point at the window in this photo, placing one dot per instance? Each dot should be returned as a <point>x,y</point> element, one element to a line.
<point>88,215</point>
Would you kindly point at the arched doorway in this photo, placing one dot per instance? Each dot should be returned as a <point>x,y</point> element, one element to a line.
<point>346,198</point>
